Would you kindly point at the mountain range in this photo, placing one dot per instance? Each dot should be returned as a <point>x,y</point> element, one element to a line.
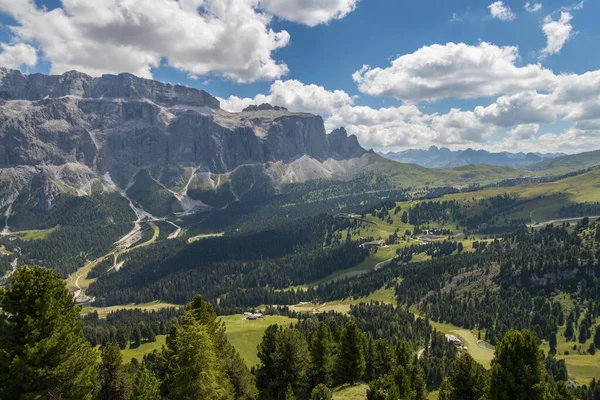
<point>75,133</point>
<point>445,158</point>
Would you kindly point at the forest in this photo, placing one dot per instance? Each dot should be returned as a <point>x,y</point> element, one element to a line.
<point>52,359</point>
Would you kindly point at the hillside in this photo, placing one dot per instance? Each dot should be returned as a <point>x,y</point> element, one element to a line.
<point>567,163</point>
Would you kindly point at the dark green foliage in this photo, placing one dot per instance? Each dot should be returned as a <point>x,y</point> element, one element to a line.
<point>351,360</point>
<point>113,384</point>
<point>518,370</point>
<point>242,270</point>
<point>284,364</point>
<point>321,392</point>
<point>145,385</point>
<point>87,229</point>
<point>199,362</point>
<point>42,352</point>
<point>466,380</point>
<point>151,196</point>
<point>323,350</point>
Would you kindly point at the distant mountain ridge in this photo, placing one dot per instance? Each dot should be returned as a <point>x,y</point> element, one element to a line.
<point>445,158</point>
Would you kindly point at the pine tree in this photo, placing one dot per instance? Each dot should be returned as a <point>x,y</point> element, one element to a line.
<point>518,369</point>
<point>351,360</point>
<point>196,373</point>
<point>289,393</point>
<point>323,351</point>
<point>383,388</point>
<point>113,385</point>
<point>552,342</point>
<point>466,380</point>
<point>137,337</point>
<point>267,371</point>
<point>145,385</point>
<point>42,352</point>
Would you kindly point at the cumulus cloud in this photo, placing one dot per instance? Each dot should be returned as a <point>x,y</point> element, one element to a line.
<point>501,11</point>
<point>520,108</point>
<point>295,96</point>
<point>526,131</point>
<point>309,12</point>
<point>557,33</point>
<point>231,38</point>
<point>533,7</point>
<point>15,56</point>
<point>453,70</point>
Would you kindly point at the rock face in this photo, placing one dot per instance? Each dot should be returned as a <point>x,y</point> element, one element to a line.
<point>16,86</point>
<point>121,124</point>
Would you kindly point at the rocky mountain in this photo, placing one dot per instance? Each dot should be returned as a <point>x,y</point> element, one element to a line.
<point>445,158</point>
<point>76,133</point>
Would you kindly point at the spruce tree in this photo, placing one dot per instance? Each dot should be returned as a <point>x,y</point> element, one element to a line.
<point>351,360</point>
<point>518,369</point>
<point>323,351</point>
<point>145,385</point>
<point>42,352</point>
<point>466,380</point>
<point>113,385</point>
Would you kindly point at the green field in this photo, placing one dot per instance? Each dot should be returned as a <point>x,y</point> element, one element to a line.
<point>383,254</point>
<point>103,311</point>
<point>37,234</point>
<point>143,349</point>
<point>245,336</point>
<point>480,354</point>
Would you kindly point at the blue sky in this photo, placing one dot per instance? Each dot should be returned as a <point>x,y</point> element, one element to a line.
<point>310,51</point>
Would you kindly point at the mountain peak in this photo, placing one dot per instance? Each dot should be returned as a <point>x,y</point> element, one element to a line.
<point>16,86</point>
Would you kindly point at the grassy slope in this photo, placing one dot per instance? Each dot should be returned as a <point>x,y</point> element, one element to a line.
<point>405,175</point>
<point>143,349</point>
<point>568,163</point>
<point>246,335</point>
<point>103,311</point>
<point>546,198</point>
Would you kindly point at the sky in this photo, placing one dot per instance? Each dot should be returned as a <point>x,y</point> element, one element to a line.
<point>495,75</point>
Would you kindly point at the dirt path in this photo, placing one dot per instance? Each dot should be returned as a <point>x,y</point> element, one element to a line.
<point>559,221</point>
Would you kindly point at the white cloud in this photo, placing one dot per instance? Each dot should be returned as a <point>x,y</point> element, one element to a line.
<point>557,32</point>
<point>501,11</point>
<point>454,70</point>
<point>309,12</point>
<point>231,38</point>
<point>521,108</point>
<point>533,7</point>
<point>295,96</point>
<point>526,131</point>
<point>14,56</point>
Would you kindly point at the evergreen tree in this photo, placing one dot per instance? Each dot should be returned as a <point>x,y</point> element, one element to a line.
<point>552,342</point>
<point>323,350</point>
<point>137,337</point>
<point>267,373</point>
<point>289,393</point>
<point>145,385</point>
<point>351,360</point>
<point>569,331</point>
<point>113,385</point>
<point>321,392</point>
<point>518,370</point>
<point>383,388</point>
<point>195,373</point>
<point>42,352</point>
<point>466,380</point>
<point>597,336</point>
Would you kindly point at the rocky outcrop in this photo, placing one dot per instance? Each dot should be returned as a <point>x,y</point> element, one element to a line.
<point>345,146</point>
<point>121,124</point>
<point>16,86</point>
